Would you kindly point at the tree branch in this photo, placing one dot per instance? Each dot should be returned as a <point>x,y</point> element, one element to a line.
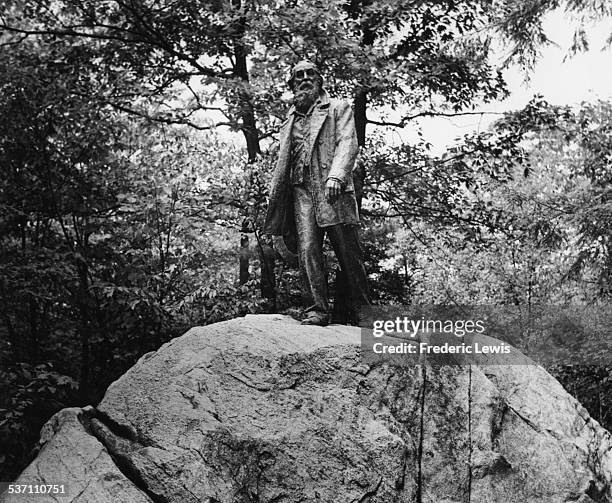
<point>404,121</point>
<point>163,43</point>
<point>159,43</point>
<point>436,162</point>
<point>169,121</point>
<point>15,42</point>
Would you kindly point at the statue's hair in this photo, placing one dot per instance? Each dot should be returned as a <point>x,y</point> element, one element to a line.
<point>290,79</point>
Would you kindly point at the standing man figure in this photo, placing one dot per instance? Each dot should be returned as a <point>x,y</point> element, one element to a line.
<point>312,189</point>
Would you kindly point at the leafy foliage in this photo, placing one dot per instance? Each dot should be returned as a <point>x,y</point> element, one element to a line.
<point>30,396</point>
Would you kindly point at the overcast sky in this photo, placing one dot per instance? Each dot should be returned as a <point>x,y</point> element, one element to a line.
<point>585,77</point>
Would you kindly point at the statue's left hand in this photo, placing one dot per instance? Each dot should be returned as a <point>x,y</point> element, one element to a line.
<point>333,188</point>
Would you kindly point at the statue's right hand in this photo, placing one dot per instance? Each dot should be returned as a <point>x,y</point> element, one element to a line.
<point>333,188</point>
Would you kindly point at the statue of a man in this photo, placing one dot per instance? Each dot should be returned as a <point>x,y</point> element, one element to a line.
<point>312,191</point>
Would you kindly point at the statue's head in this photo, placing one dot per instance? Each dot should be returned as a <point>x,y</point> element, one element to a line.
<point>305,75</point>
<point>306,83</point>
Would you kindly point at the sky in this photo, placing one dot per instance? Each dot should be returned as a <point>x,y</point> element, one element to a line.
<point>585,77</point>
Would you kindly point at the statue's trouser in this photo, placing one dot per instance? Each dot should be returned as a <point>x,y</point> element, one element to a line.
<point>344,241</point>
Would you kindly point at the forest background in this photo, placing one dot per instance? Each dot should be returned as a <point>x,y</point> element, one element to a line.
<point>127,207</point>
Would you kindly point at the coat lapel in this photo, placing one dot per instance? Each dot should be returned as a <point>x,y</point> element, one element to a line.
<point>319,114</point>
<point>316,123</point>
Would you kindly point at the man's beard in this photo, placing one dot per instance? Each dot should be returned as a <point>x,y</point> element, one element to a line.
<point>304,98</point>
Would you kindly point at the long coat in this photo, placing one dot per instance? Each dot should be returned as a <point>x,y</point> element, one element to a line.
<point>332,146</point>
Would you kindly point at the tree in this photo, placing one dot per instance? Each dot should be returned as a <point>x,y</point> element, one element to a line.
<point>531,193</point>
<point>151,52</point>
<point>109,228</point>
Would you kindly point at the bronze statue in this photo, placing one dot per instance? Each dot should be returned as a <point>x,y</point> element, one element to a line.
<point>312,189</point>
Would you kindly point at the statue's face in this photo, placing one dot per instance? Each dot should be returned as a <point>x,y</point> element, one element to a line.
<point>305,78</point>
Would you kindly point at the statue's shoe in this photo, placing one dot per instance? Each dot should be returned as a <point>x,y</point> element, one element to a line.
<point>316,318</point>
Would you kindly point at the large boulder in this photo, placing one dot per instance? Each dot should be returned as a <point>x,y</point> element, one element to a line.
<point>262,409</point>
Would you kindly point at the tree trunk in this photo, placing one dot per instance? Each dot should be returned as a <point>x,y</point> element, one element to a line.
<point>342,312</point>
<point>14,339</point>
<point>247,112</point>
<point>244,259</point>
<point>249,124</point>
<point>268,275</point>
<point>33,315</point>
<point>360,103</point>
<point>249,129</point>
<point>84,326</point>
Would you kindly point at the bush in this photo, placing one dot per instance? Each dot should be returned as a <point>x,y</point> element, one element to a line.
<point>29,396</point>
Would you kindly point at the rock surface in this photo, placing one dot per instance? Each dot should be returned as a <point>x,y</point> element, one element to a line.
<point>72,456</point>
<point>262,409</point>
